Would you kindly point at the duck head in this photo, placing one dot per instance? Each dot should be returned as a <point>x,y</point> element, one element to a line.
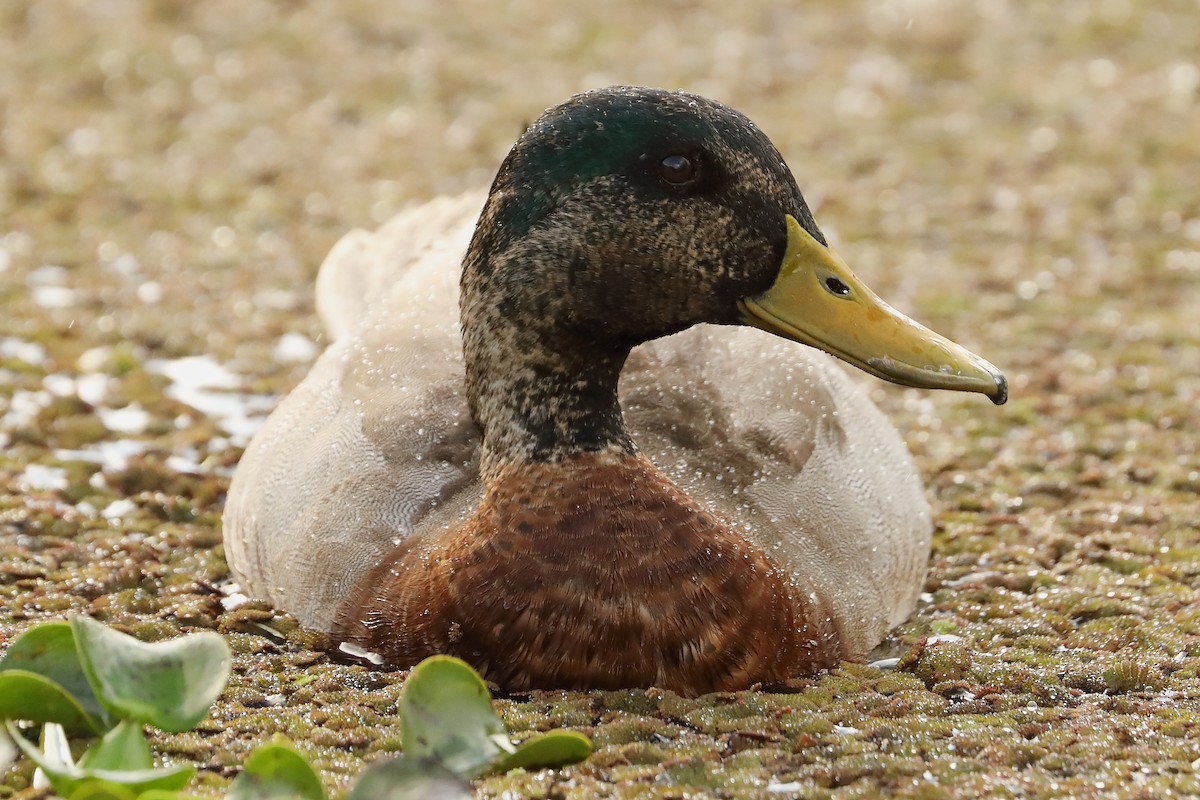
<point>626,214</point>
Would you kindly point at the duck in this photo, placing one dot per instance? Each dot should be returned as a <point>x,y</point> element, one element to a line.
<point>586,429</point>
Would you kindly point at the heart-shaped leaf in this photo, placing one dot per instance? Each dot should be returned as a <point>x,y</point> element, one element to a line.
<point>276,770</point>
<point>447,717</point>
<point>36,698</point>
<point>404,778</point>
<point>169,685</point>
<point>48,650</point>
<point>67,778</point>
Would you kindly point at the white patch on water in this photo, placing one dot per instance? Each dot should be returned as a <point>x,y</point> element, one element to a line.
<point>233,598</point>
<point>132,419</point>
<point>59,385</point>
<point>48,287</point>
<point>118,509</point>
<point>209,387</point>
<point>47,275</point>
<point>94,359</point>
<point>23,408</point>
<point>29,352</point>
<point>186,462</point>
<point>203,372</point>
<point>53,296</point>
<point>126,265</point>
<point>111,456</point>
<point>943,637</point>
<point>295,348</point>
<point>92,389</point>
<point>150,292</point>
<point>197,381</point>
<point>37,477</point>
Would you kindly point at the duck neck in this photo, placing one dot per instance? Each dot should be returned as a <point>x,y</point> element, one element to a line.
<point>537,392</point>
<point>540,401</point>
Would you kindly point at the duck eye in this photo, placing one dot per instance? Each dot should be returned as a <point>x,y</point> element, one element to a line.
<point>836,286</point>
<point>676,170</point>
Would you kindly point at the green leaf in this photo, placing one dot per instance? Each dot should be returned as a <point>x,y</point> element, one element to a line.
<point>169,685</point>
<point>36,698</point>
<point>49,650</point>
<point>123,748</point>
<point>276,770</point>
<point>446,716</point>
<point>68,778</point>
<point>96,789</point>
<point>549,749</point>
<point>405,778</point>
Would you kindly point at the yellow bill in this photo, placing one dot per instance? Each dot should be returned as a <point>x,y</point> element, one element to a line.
<point>818,301</point>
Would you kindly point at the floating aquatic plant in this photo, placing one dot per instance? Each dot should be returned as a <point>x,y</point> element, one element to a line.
<point>87,678</point>
<point>84,678</point>
<point>449,734</point>
<point>446,717</point>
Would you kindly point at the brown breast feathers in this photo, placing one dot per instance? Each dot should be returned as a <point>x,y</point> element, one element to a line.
<point>592,572</point>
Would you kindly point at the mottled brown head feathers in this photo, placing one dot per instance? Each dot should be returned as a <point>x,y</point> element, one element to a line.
<point>586,248</point>
<point>580,211</point>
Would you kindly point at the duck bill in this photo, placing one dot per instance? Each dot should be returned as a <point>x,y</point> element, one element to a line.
<point>818,301</point>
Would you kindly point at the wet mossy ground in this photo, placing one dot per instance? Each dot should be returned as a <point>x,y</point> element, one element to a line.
<point>1024,177</point>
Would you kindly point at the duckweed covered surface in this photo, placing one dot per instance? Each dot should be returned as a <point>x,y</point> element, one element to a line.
<point>1024,177</point>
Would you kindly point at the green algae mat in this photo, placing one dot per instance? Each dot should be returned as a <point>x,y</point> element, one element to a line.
<point>1024,177</point>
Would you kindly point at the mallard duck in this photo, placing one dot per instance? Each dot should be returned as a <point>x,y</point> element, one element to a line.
<point>735,512</point>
